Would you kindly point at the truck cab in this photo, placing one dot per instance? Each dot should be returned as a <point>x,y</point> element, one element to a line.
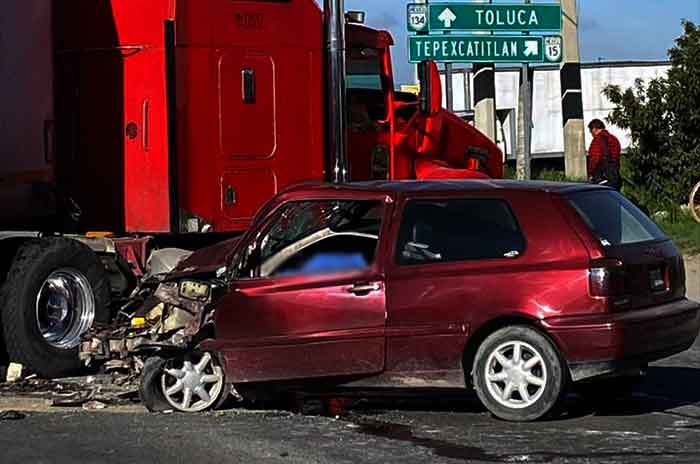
<point>391,137</point>
<point>202,111</point>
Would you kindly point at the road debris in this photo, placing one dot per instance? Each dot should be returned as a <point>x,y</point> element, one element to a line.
<point>91,405</point>
<point>14,372</point>
<point>92,392</point>
<point>11,415</point>
<point>73,400</point>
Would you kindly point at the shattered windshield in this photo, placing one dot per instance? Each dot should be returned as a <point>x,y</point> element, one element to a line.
<point>296,221</point>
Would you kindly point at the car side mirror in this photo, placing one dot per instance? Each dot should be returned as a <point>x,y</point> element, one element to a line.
<point>430,98</point>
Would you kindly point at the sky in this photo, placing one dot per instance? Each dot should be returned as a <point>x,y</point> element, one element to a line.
<point>609,29</point>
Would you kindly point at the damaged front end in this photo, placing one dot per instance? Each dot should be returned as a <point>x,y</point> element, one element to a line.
<point>173,315</point>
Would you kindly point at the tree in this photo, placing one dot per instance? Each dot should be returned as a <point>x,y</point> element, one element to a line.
<point>663,117</point>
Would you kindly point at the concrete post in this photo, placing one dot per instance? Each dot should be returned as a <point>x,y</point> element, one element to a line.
<point>571,97</point>
<point>485,98</point>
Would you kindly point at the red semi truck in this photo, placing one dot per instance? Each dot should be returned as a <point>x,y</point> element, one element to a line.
<point>128,125</point>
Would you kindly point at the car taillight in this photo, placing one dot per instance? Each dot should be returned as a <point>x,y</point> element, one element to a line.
<point>607,277</point>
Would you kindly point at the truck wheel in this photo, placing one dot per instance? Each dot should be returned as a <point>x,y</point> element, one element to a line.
<point>55,290</point>
<point>518,374</point>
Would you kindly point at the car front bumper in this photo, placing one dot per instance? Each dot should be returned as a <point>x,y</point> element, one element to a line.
<point>611,343</point>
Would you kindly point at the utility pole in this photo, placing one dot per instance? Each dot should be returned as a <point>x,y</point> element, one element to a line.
<point>571,97</point>
<point>485,97</point>
<point>523,154</point>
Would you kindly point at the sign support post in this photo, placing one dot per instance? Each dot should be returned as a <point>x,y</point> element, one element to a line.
<point>523,161</point>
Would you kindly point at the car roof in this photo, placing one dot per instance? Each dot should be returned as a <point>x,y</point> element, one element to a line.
<point>443,186</point>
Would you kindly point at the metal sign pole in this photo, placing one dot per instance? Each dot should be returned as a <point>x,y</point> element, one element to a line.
<point>523,160</point>
<point>449,90</point>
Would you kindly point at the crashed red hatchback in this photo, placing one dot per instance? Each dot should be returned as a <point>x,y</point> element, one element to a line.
<point>518,290</point>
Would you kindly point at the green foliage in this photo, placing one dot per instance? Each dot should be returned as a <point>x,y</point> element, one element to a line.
<point>551,175</point>
<point>683,230</point>
<point>663,117</point>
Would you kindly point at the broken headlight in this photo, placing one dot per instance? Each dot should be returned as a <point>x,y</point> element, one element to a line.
<point>193,290</point>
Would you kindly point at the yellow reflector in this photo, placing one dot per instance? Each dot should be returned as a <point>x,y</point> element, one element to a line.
<point>95,234</point>
<point>138,322</point>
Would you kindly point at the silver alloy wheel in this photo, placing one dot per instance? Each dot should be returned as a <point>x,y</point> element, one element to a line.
<point>192,385</point>
<point>65,308</point>
<point>516,375</point>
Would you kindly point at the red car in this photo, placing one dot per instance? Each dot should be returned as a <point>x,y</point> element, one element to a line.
<point>516,289</point>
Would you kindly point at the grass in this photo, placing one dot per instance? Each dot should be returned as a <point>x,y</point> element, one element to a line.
<point>684,231</point>
<point>550,175</point>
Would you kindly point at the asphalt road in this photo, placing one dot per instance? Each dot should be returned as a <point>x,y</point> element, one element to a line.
<point>659,424</point>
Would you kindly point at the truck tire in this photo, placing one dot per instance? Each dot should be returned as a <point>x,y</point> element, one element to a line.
<point>55,290</point>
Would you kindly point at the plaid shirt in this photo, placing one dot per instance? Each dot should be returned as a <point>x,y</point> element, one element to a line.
<point>595,152</point>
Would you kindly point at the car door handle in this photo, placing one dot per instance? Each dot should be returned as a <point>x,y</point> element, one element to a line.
<point>360,289</point>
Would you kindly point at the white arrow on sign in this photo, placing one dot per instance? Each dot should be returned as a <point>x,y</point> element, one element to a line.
<point>531,48</point>
<point>447,17</point>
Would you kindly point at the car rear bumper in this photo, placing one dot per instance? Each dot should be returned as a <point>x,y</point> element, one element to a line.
<point>609,343</point>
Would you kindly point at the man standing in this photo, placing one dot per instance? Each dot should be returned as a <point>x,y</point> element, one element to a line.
<point>604,156</point>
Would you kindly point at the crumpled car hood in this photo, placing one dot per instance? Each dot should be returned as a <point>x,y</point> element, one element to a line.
<point>207,260</point>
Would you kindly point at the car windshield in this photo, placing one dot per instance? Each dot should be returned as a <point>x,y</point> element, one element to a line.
<point>614,219</point>
<point>296,222</point>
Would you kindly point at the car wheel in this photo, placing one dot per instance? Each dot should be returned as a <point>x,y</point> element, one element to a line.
<point>191,383</point>
<point>518,374</point>
<point>55,290</point>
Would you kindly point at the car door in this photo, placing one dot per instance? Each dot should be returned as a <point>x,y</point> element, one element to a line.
<point>289,315</point>
<point>453,260</point>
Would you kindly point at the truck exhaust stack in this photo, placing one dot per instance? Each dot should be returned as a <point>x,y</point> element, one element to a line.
<point>334,12</point>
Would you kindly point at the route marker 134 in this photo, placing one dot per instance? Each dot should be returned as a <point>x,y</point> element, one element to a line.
<point>418,18</point>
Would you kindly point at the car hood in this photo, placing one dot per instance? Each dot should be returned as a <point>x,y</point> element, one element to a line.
<point>206,260</point>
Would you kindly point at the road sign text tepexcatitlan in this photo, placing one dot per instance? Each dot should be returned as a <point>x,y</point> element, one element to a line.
<point>474,49</point>
<point>485,17</point>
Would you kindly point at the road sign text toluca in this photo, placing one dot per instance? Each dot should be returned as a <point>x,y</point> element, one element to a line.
<point>487,17</point>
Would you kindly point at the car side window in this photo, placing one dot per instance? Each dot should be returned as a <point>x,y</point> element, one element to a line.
<point>316,237</point>
<point>451,230</point>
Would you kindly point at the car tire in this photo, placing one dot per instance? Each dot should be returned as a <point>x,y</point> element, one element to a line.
<point>518,374</point>
<point>55,290</point>
<point>182,373</point>
<point>149,390</point>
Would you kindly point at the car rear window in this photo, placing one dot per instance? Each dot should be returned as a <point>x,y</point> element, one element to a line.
<point>614,219</point>
<point>450,230</point>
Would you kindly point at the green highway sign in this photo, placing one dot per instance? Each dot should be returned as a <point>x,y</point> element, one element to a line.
<point>440,17</point>
<point>486,49</point>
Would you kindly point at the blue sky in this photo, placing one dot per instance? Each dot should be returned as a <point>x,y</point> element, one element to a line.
<point>609,29</point>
